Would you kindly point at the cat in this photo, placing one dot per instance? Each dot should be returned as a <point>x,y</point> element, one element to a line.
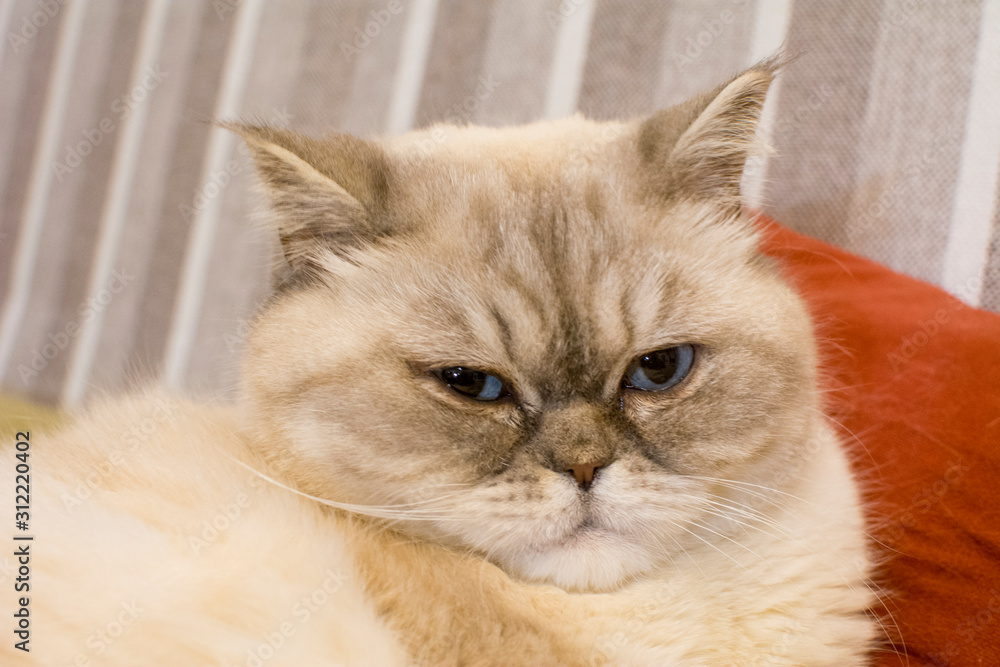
<point>522,396</point>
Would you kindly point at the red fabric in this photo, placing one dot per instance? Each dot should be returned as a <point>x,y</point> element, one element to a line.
<point>914,378</point>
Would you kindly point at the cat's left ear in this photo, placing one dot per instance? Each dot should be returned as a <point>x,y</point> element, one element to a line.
<point>699,149</point>
<point>329,193</point>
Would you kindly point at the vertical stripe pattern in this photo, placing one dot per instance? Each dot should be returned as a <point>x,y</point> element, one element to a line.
<point>202,234</point>
<point>130,245</point>
<point>975,197</point>
<point>119,187</point>
<point>566,71</point>
<point>39,187</point>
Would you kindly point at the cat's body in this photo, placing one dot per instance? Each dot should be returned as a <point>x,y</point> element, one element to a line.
<point>467,358</point>
<point>192,560</point>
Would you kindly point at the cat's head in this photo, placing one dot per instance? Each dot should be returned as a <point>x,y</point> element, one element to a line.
<point>544,343</point>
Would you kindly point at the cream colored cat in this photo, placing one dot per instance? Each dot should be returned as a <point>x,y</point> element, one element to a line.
<point>525,396</point>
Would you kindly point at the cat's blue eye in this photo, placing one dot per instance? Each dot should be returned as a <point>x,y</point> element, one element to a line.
<point>659,370</point>
<point>478,385</point>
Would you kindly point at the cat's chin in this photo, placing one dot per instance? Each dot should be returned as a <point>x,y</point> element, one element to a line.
<point>588,560</point>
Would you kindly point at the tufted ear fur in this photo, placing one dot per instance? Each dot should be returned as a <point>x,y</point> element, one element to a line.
<point>324,193</point>
<point>699,148</point>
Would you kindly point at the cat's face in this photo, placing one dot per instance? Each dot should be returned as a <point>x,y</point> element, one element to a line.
<point>535,343</point>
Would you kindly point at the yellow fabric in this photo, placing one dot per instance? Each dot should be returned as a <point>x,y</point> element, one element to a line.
<point>19,415</point>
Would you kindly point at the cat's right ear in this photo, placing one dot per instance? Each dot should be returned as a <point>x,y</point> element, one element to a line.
<point>325,194</point>
<point>699,148</point>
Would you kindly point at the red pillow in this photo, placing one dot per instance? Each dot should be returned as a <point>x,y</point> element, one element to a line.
<point>914,379</point>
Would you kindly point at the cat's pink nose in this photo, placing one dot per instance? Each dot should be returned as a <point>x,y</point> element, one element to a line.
<point>584,473</point>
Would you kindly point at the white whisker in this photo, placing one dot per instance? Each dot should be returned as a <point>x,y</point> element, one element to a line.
<point>390,512</point>
<point>735,484</point>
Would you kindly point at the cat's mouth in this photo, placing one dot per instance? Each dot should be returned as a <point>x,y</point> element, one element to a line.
<point>588,530</point>
<point>587,557</point>
<point>581,541</point>
<point>584,530</point>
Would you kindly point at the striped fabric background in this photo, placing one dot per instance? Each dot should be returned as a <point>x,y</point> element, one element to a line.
<point>126,250</point>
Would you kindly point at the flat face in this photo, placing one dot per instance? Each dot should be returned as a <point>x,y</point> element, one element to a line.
<point>522,346</point>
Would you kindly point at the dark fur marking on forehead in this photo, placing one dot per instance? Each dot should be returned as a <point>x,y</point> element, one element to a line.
<point>625,316</point>
<point>559,232</point>
<point>448,314</point>
<point>559,241</point>
<point>668,291</point>
<point>529,296</point>
<point>569,375</point>
<point>503,326</point>
<point>551,233</point>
